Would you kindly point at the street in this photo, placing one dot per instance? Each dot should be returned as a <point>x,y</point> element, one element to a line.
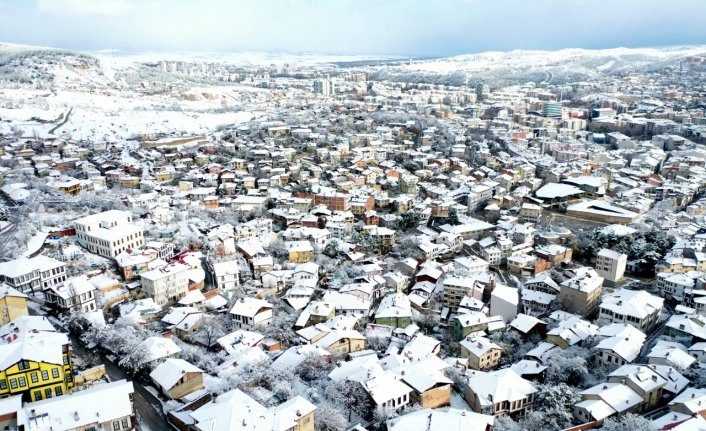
<point>147,407</point>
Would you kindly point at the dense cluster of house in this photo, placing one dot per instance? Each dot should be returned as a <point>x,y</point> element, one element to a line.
<point>403,233</point>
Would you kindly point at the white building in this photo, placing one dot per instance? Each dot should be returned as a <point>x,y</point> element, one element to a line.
<point>250,312</point>
<point>33,274</point>
<point>75,294</point>
<point>324,87</point>
<point>633,307</point>
<point>166,284</point>
<point>611,265</point>
<point>104,406</point>
<point>226,275</point>
<point>504,301</point>
<point>109,233</point>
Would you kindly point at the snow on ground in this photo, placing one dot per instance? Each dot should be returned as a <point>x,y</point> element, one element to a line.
<point>106,297</point>
<point>115,115</point>
<point>458,402</point>
<point>36,308</point>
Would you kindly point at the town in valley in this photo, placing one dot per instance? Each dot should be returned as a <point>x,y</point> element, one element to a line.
<point>508,240</point>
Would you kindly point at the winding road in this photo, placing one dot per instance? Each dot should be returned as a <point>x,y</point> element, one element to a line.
<point>64,121</point>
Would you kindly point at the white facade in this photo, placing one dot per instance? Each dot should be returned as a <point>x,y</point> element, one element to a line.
<point>251,312</point>
<point>226,275</point>
<point>633,307</point>
<point>611,265</point>
<point>109,233</point>
<point>166,284</point>
<point>76,294</point>
<point>503,302</point>
<point>33,274</point>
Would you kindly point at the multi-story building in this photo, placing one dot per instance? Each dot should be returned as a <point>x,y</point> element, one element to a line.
<point>109,233</point>
<point>29,275</point>
<point>530,213</point>
<point>324,87</point>
<point>633,307</point>
<point>166,284</point>
<point>455,288</point>
<point>611,265</point>
<point>132,262</point>
<point>582,293</point>
<point>226,275</point>
<point>75,294</point>
<point>482,354</point>
<point>13,304</point>
<point>36,365</point>
<point>501,392</point>
<point>107,406</point>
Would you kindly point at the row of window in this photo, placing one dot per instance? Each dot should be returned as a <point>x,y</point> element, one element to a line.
<point>21,381</point>
<point>117,425</point>
<point>48,393</point>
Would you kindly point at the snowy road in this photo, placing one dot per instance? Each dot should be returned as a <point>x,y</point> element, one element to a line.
<point>147,407</point>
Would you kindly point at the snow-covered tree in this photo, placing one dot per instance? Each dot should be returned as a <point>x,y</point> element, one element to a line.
<point>329,417</point>
<point>627,421</point>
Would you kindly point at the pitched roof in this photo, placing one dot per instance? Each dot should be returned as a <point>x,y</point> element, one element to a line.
<point>168,373</point>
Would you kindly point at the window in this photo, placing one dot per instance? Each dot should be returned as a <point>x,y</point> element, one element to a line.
<point>116,425</point>
<point>34,377</point>
<point>66,360</point>
<point>37,395</point>
<point>47,392</point>
<point>125,424</point>
<point>45,375</point>
<point>22,381</point>
<point>58,390</point>
<point>55,373</point>
<point>3,383</point>
<point>13,383</point>
<point>23,365</point>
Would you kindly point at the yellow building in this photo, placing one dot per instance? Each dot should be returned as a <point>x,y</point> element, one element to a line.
<point>300,251</point>
<point>13,304</point>
<point>72,187</point>
<point>35,365</point>
<point>342,342</point>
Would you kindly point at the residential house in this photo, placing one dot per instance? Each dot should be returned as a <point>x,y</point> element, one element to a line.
<point>250,312</point>
<point>501,392</point>
<point>634,307</point>
<point>176,378</point>
<point>166,284</point>
<point>232,409</point>
<point>582,292</point>
<point>107,406</point>
<point>394,310</point>
<point>463,325</point>
<point>35,364</point>
<point>75,294</point>
<point>482,354</point>
<point>13,304</point>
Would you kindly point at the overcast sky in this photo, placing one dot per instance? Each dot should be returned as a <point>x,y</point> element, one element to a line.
<point>395,27</point>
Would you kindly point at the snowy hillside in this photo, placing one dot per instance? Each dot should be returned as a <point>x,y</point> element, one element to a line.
<point>555,66</point>
<point>51,93</point>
